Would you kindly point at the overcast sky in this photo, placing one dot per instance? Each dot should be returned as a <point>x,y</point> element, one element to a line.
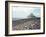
<point>23,12</point>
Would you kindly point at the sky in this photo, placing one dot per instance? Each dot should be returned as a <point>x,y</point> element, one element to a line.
<point>23,12</point>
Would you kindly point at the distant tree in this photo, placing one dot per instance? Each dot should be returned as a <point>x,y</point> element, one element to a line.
<point>31,15</point>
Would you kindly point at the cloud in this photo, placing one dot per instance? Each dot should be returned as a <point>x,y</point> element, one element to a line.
<point>23,12</point>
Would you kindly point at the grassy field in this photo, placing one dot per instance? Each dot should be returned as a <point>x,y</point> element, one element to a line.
<point>26,24</point>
